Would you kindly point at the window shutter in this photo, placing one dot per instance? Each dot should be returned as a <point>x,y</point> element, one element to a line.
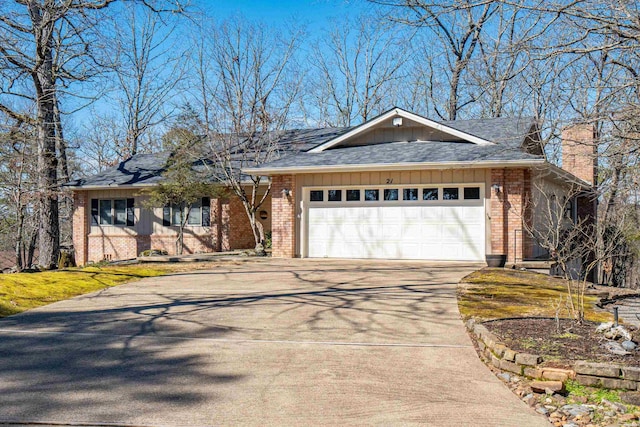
<point>130,213</point>
<point>206,212</point>
<point>94,211</point>
<point>166,216</point>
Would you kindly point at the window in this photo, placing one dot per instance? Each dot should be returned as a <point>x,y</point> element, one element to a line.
<point>371,195</point>
<point>472,193</point>
<point>195,214</point>
<point>112,212</point>
<point>316,196</point>
<point>391,194</point>
<point>106,215</point>
<point>178,214</point>
<point>199,214</point>
<point>120,212</point>
<point>429,194</point>
<point>353,195</point>
<point>450,194</point>
<point>335,195</point>
<point>410,194</point>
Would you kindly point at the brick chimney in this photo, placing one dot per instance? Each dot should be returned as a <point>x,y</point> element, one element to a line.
<point>580,152</point>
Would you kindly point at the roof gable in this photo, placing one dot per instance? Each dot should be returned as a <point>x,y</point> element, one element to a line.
<point>387,120</point>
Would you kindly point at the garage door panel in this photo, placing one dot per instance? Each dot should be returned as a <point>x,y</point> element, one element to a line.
<point>434,232</point>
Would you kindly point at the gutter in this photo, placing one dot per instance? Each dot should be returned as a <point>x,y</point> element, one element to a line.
<point>394,167</point>
<point>123,187</point>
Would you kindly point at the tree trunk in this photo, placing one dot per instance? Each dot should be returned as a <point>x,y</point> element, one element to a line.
<point>19,236</point>
<point>44,81</point>
<point>32,248</point>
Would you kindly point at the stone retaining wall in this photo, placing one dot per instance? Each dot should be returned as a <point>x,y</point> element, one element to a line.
<point>585,373</point>
<point>607,375</point>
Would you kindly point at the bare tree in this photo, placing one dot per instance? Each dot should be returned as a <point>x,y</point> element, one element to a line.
<point>358,69</point>
<point>248,88</point>
<point>148,70</point>
<point>456,26</point>
<point>46,46</point>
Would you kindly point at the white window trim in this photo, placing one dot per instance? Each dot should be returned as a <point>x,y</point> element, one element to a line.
<point>400,202</point>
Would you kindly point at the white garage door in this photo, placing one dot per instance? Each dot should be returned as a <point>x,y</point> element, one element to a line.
<point>431,223</point>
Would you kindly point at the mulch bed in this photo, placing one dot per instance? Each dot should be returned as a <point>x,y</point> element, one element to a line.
<point>569,343</point>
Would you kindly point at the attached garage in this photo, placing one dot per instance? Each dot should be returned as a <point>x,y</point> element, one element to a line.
<point>402,186</point>
<point>395,222</point>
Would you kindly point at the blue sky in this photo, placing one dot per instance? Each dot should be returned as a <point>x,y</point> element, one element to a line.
<point>314,13</point>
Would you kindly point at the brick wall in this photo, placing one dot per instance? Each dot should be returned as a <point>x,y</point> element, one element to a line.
<point>579,151</point>
<point>80,226</point>
<point>283,223</point>
<point>240,234</point>
<point>192,243</point>
<point>107,247</point>
<point>229,229</point>
<point>509,209</point>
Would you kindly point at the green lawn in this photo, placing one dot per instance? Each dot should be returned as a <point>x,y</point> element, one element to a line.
<point>23,291</point>
<point>496,293</point>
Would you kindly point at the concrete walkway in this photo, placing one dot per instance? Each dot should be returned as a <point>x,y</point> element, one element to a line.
<point>265,342</point>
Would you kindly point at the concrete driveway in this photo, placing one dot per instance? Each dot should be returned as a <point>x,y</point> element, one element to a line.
<point>262,342</point>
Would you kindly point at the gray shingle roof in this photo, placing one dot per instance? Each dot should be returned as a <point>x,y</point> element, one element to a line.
<point>403,152</point>
<point>508,134</point>
<point>141,169</point>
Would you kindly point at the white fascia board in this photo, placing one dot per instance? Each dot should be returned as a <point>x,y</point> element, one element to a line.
<point>399,112</point>
<point>395,167</point>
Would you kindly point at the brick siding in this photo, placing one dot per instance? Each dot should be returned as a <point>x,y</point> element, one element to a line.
<point>80,226</point>
<point>229,229</point>
<point>579,151</point>
<point>509,209</point>
<point>283,223</point>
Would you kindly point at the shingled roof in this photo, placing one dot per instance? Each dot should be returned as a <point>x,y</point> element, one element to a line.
<point>508,135</point>
<point>509,138</point>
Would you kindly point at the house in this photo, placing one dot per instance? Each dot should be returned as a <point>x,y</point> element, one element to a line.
<point>399,186</point>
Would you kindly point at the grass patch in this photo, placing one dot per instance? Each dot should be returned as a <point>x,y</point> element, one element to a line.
<point>595,395</point>
<point>22,291</point>
<point>496,293</point>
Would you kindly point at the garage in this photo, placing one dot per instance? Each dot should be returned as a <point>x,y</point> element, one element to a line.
<point>440,223</point>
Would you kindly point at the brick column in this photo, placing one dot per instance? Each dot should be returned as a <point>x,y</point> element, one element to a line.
<point>498,226</point>
<point>80,226</point>
<point>509,210</point>
<point>283,216</point>
<point>216,224</point>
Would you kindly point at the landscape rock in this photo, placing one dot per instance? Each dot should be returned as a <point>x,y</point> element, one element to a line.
<point>542,410</point>
<point>509,355</point>
<point>589,380</point>
<point>599,369</point>
<point>618,407</point>
<point>619,384</point>
<point>618,332</point>
<point>548,387</point>
<point>528,359</point>
<point>529,399</point>
<point>616,348</point>
<point>628,417</point>
<point>629,345</point>
<point>504,377</point>
<point>533,372</point>
<point>606,326</point>
<point>575,410</point>
<point>631,373</point>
